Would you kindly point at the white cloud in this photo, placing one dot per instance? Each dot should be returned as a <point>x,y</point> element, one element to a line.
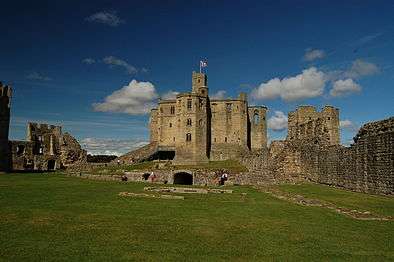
<point>99,146</point>
<point>170,95</point>
<point>105,17</point>
<point>313,54</point>
<point>88,61</point>
<point>310,83</point>
<point>38,76</point>
<point>221,94</point>
<point>135,98</point>
<point>344,87</point>
<point>278,121</point>
<point>361,68</point>
<point>114,61</point>
<point>347,124</point>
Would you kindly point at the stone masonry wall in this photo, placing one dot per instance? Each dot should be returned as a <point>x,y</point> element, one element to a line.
<point>366,166</point>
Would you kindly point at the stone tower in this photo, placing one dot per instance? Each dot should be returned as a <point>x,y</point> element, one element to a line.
<point>5,105</point>
<point>258,127</point>
<point>199,84</point>
<point>191,145</point>
<point>331,124</point>
<point>306,123</point>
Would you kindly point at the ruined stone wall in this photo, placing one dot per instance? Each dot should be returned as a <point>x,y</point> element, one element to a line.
<point>366,166</point>
<point>22,155</point>
<point>320,127</point>
<point>45,137</point>
<point>258,127</point>
<point>46,148</point>
<point>71,152</point>
<point>5,105</point>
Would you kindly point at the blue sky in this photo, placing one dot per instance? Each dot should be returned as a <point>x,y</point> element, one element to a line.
<point>65,60</point>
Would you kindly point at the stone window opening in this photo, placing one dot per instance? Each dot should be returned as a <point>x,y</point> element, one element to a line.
<point>188,137</point>
<point>225,139</point>
<point>172,109</point>
<point>173,139</point>
<point>328,118</point>
<point>256,118</point>
<point>161,110</point>
<point>189,104</point>
<point>214,139</point>
<point>200,102</point>
<point>228,106</point>
<point>40,138</point>
<point>40,150</point>
<point>170,124</point>
<point>20,150</point>
<point>200,122</point>
<point>189,122</point>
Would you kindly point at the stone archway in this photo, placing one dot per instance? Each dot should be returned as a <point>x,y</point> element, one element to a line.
<point>183,178</point>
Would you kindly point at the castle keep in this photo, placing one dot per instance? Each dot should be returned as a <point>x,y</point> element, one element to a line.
<point>198,129</point>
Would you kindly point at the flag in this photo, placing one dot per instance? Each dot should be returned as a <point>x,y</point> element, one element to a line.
<point>203,63</point>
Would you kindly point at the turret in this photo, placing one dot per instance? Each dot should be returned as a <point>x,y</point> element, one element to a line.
<point>199,84</point>
<point>5,106</point>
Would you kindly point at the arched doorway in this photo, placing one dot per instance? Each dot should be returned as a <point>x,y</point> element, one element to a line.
<point>183,178</point>
<point>51,164</point>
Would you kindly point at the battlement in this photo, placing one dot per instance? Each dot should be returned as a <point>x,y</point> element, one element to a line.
<point>43,127</point>
<point>5,90</point>
<point>35,130</point>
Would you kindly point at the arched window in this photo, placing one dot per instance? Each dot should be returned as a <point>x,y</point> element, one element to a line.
<point>188,137</point>
<point>225,139</point>
<point>170,124</point>
<point>189,122</point>
<point>200,122</point>
<point>256,118</point>
<point>172,110</point>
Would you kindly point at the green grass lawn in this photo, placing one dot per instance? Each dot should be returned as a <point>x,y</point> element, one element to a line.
<point>54,217</point>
